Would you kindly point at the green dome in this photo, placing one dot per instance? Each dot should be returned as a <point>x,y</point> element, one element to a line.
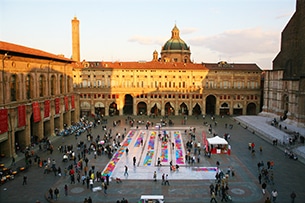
<point>175,44</point>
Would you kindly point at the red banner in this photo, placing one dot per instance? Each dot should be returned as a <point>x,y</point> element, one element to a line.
<point>66,104</point>
<point>57,106</point>
<point>36,112</point>
<point>3,121</point>
<point>73,102</point>
<point>21,116</point>
<point>46,108</point>
<point>205,141</point>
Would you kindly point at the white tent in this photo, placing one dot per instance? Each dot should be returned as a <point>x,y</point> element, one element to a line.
<point>217,140</point>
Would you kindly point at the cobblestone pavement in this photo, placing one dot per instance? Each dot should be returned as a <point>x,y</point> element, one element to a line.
<point>243,187</point>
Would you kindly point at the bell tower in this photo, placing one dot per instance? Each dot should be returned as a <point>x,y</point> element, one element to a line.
<point>75,40</point>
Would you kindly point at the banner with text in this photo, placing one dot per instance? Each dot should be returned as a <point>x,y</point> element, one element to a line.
<point>3,121</point>
<point>46,108</point>
<point>36,112</point>
<point>73,102</point>
<point>21,116</point>
<point>57,106</point>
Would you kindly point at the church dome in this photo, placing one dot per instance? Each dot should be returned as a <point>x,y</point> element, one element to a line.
<point>175,49</point>
<point>175,42</point>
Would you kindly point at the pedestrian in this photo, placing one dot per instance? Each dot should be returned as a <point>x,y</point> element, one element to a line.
<point>66,190</point>
<point>260,178</point>
<point>155,176</point>
<point>126,171</point>
<point>24,180</point>
<point>13,161</point>
<point>127,150</point>
<point>56,192</point>
<point>293,196</point>
<point>213,197</point>
<point>267,200</point>
<point>264,185</point>
<point>274,194</point>
<point>50,193</point>
<point>166,180</point>
<point>163,179</point>
<point>134,160</point>
<point>104,186</point>
<point>91,184</point>
<point>89,200</point>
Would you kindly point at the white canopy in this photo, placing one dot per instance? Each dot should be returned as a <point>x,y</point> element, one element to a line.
<point>217,140</point>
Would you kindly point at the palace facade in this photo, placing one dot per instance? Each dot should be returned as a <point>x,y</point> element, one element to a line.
<point>36,98</point>
<point>284,89</point>
<point>169,84</point>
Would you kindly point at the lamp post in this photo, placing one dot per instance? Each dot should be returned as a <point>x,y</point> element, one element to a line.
<point>5,56</point>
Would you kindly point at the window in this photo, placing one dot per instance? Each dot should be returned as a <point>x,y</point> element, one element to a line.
<point>53,85</point>
<point>13,88</point>
<point>62,84</point>
<point>41,86</point>
<point>29,87</point>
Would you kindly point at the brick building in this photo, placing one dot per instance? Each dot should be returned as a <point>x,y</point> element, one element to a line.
<point>36,96</point>
<point>284,89</point>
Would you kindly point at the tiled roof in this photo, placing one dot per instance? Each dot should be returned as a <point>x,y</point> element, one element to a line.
<point>151,65</point>
<point>18,49</point>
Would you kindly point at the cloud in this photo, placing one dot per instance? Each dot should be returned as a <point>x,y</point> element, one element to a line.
<point>240,42</point>
<point>188,30</point>
<point>147,40</point>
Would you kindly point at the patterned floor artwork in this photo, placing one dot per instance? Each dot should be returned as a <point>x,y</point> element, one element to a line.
<point>147,146</point>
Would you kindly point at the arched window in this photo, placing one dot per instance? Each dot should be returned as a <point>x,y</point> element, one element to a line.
<point>62,85</point>
<point>29,87</point>
<point>13,87</point>
<point>53,85</point>
<point>41,86</point>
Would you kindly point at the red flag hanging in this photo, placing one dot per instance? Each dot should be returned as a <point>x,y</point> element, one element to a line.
<point>66,104</point>
<point>46,108</point>
<point>3,121</point>
<point>36,112</point>
<point>57,106</point>
<point>73,102</point>
<point>21,116</point>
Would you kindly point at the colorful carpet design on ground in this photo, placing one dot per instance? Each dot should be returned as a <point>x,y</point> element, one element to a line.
<point>205,169</point>
<point>150,149</point>
<point>116,157</point>
<point>139,139</point>
<point>164,152</point>
<point>179,149</point>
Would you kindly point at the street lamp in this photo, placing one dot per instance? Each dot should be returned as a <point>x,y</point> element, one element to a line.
<point>6,56</point>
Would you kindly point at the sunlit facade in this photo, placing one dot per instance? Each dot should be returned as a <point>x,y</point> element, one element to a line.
<point>36,96</point>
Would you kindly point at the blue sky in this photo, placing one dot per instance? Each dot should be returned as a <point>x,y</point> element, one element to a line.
<point>237,31</point>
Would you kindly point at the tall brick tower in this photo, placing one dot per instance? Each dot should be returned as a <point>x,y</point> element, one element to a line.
<point>75,40</point>
<point>291,57</point>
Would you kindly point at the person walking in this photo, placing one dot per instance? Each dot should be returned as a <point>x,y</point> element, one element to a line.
<point>155,176</point>
<point>56,192</point>
<point>50,193</point>
<point>213,197</point>
<point>166,180</point>
<point>66,190</point>
<point>274,194</point>
<point>163,179</point>
<point>293,196</point>
<point>126,171</point>
<point>24,180</point>
<point>134,161</point>
<point>267,200</point>
<point>264,185</point>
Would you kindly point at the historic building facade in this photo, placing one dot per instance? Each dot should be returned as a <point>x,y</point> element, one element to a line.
<point>36,96</point>
<point>284,89</point>
<point>170,84</point>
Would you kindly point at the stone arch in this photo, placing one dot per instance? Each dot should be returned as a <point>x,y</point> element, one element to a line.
<point>224,109</point>
<point>210,107</point>
<point>251,109</point>
<point>141,108</point>
<point>128,105</point>
<point>196,109</point>
<point>183,109</point>
<point>169,109</point>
